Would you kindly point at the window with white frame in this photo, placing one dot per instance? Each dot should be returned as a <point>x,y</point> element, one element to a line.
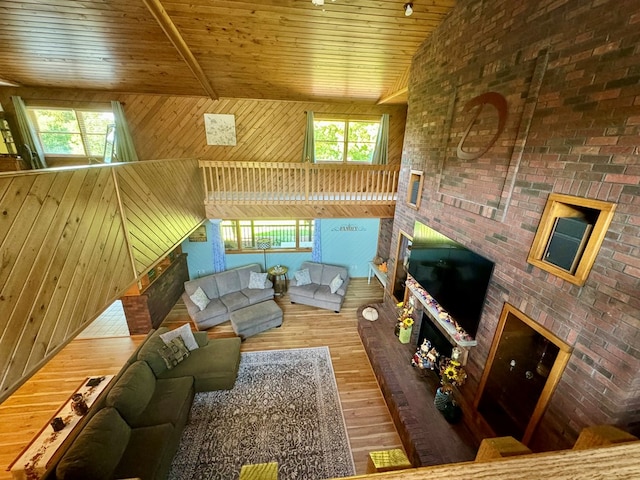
<point>345,140</point>
<point>72,132</point>
<point>245,236</point>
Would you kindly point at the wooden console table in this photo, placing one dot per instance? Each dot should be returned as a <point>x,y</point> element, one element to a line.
<point>32,462</point>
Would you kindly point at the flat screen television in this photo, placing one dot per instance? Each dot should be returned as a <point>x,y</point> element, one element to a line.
<point>453,275</point>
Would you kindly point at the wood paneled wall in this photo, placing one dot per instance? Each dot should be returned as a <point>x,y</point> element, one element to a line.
<point>71,242</point>
<point>173,126</point>
<point>266,131</point>
<point>162,202</point>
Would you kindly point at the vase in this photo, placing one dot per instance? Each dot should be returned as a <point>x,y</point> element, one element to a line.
<point>441,399</point>
<point>405,334</point>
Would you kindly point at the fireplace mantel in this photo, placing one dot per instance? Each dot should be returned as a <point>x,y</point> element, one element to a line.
<point>439,317</point>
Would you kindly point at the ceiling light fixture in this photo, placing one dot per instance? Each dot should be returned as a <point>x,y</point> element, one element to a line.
<point>408,9</point>
<point>318,3</point>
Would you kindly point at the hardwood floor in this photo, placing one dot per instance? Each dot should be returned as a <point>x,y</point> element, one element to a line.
<point>369,423</point>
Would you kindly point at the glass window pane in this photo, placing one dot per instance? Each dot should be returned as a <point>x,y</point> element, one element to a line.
<point>95,126</point>
<point>246,234</point>
<point>95,144</point>
<point>62,143</point>
<point>329,140</point>
<point>56,120</point>
<point>329,152</point>
<point>96,122</point>
<point>281,233</point>
<point>228,231</point>
<point>360,152</point>
<point>306,233</point>
<point>329,130</point>
<point>363,131</point>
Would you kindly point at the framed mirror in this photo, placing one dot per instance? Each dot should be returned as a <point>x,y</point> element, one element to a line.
<point>524,367</point>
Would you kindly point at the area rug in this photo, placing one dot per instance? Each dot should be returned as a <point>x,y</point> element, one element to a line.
<point>283,408</point>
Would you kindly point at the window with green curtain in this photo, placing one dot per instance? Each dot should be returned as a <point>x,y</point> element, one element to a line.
<point>345,140</point>
<point>71,132</point>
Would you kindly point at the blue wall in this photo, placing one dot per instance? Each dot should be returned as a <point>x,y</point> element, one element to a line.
<point>349,242</point>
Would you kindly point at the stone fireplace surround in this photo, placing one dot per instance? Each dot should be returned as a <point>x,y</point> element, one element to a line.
<point>409,392</point>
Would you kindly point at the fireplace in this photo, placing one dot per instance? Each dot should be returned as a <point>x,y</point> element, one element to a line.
<point>429,331</point>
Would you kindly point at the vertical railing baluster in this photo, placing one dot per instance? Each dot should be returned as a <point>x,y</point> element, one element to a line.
<point>298,183</point>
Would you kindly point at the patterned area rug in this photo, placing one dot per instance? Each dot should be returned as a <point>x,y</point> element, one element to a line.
<point>284,408</point>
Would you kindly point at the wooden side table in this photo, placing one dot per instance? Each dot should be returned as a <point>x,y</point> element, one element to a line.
<point>278,275</point>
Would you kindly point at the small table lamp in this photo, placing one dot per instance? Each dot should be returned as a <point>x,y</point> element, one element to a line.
<point>264,244</point>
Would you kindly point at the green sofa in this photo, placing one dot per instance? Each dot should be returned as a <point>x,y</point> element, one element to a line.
<point>134,428</point>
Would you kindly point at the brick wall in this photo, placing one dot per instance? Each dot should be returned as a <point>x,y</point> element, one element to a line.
<point>570,71</point>
<point>384,238</point>
<point>149,309</point>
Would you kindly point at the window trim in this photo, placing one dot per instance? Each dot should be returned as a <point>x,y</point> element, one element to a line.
<point>256,236</point>
<point>346,119</point>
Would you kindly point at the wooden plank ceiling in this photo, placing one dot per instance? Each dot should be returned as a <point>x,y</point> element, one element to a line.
<point>356,50</point>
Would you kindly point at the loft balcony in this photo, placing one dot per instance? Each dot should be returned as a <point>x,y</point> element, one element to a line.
<point>298,190</point>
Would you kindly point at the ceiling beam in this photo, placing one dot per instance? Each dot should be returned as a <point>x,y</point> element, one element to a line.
<point>172,32</point>
<point>399,96</point>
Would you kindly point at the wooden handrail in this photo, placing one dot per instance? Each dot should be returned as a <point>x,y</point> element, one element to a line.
<point>298,183</point>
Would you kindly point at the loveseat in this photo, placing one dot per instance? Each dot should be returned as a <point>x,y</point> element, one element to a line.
<point>224,293</point>
<point>133,430</point>
<point>325,286</point>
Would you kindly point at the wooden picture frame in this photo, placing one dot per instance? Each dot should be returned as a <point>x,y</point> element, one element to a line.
<point>199,234</point>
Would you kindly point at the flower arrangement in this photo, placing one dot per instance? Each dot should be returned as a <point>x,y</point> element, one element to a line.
<point>405,315</point>
<point>452,374</point>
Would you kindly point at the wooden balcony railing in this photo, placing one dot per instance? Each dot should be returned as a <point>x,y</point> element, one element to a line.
<point>259,183</point>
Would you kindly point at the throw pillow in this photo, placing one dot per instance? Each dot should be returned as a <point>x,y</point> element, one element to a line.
<point>335,284</point>
<point>149,352</point>
<point>257,280</point>
<point>183,332</point>
<point>302,277</point>
<point>174,352</point>
<point>200,298</point>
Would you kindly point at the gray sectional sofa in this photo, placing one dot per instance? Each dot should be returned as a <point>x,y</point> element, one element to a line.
<point>226,292</point>
<point>134,428</point>
<point>318,292</point>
